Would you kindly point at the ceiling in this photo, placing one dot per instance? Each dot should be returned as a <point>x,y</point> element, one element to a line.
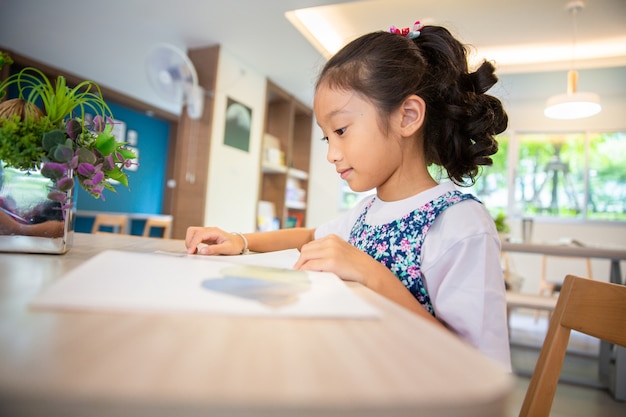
<point>84,36</point>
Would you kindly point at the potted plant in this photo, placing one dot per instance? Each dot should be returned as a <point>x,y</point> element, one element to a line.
<point>56,135</point>
<point>501,225</point>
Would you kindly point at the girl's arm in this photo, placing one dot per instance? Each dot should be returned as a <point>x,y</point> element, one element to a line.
<point>215,241</point>
<point>333,254</point>
<point>293,238</point>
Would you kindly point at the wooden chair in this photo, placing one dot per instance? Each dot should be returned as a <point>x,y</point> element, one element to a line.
<point>116,222</point>
<point>595,308</point>
<point>161,222</point>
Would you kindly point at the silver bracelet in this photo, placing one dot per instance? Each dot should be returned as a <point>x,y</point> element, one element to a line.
<point>245,250</point>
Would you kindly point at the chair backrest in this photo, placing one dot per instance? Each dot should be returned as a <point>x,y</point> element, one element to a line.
<point>595,308</point>
<point>164,223</point>
<point>117,223</point>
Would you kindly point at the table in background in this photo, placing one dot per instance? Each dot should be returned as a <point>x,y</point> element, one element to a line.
<point>55,363</point>
<point>136,221</point>
<point>615,255</point>
<point>612,360</point>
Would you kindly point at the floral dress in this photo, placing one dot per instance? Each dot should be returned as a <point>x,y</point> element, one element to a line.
<point>398,245</point>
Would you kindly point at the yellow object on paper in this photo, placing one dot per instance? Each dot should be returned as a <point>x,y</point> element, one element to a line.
<point>240,285</point>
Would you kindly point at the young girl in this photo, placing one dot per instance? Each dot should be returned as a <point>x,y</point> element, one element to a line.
<point>390,104</point>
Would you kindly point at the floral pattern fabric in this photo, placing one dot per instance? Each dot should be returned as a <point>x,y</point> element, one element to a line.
<point>398,244</point>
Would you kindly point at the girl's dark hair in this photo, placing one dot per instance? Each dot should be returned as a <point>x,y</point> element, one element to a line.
<point>461,120</point>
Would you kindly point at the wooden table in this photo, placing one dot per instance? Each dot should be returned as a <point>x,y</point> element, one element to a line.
<point>615,255</point>
<point>612,361</point>
<point>85,364</point>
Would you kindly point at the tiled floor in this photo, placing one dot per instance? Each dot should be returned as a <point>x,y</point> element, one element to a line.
<point>580,394</point>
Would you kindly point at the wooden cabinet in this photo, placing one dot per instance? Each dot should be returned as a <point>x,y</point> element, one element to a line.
<point>285,160</point>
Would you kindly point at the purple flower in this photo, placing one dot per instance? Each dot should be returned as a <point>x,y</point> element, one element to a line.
<point>73,128</point>
<point>86,170</point>
<point>109,162</point>
<point>96,191</point>
<point>98,124</point>
<point>74,161</point>
<point>54,170</point>
<point>65,184</point>
<point>57,196</point>
<point>96,179</point>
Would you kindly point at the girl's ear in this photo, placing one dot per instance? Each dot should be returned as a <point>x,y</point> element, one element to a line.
<point>412,112</point>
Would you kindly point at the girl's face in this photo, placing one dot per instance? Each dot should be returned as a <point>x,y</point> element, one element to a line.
<point>364,155</point>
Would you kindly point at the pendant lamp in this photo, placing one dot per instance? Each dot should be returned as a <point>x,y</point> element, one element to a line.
<point>573,104</point>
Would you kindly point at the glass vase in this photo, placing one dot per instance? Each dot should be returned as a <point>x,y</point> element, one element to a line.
<point>29,221</point>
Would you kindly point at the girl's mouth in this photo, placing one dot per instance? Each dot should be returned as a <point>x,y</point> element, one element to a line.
<point>345,173</point>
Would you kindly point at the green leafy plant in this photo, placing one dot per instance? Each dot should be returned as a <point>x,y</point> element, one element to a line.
<point>64,132</point>
<point>501,225</point>
<point>5,59</point>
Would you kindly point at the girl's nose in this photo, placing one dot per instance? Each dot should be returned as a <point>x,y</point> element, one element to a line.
<point>333,155</point>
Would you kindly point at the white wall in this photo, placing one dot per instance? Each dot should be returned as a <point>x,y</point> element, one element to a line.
<point>73,36</point>
<point>232,187</point>
<point>323,198</point>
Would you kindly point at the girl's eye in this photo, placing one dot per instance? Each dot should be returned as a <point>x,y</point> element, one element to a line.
<point>337,132</point>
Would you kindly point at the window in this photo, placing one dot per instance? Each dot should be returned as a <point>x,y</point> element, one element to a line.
<point>607,176</point>
<point>573,176</point>
<point>550,177</point>
<point>491,186</point>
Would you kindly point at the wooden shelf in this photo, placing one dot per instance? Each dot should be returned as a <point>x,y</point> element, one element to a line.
<point>289,124</point>
<point>297,173</point>
<point>274,169</point>
<point>295,205</point>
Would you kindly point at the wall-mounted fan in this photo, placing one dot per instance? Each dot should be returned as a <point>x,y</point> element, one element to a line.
<point>172,74</point>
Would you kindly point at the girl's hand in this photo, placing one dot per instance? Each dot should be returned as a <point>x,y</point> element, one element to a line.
<point>212,241</point>
<point>333,254</point>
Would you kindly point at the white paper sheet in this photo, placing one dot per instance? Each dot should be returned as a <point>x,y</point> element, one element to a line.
<point>279,259</point>
<point>159,282</point>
